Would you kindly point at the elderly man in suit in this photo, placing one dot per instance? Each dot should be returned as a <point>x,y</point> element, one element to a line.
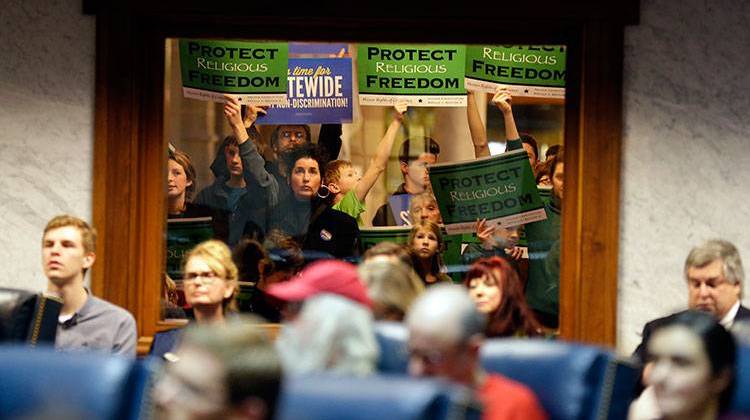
<point>714,275</point>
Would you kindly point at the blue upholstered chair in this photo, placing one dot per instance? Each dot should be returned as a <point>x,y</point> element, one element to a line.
<point>390,397</point>
<point>42,383</point>
<point>392,337</point>
<point>572,381</point>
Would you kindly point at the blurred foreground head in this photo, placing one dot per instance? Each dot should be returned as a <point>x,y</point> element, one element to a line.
<point>222,371</point>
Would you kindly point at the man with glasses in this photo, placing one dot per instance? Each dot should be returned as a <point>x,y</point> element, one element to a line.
<point>85,321</point>
<point>284,138</point>
<point>714,275</point>
<point>445,336</point>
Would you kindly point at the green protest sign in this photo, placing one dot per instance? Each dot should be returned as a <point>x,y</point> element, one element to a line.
<point>369,237</point>
<point>422,75</point>
<point>254,72</point>
<point>182,236</point>
<point>500,189</point>
<point>536,71</point>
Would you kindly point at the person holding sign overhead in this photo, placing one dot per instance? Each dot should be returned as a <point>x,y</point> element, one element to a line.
<point>542,289</point>
<point>347,189</point>
<point>284,138</point>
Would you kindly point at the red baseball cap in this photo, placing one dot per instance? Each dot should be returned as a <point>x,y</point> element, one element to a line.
<point>328,276</point>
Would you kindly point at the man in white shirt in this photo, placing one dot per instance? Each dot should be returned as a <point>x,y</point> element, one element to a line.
<point>714,275</point>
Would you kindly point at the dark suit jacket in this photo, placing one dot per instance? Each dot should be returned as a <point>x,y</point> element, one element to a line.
<point>743,314</point>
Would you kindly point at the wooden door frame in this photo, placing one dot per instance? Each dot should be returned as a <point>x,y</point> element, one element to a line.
<point>129,207</point>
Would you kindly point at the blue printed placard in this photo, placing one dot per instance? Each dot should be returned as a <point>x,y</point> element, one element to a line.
<point>319,92</point>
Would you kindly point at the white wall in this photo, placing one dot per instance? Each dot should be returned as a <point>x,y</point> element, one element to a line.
<point>687,101</point>
<point>686,155</point>
<point>46,127</point>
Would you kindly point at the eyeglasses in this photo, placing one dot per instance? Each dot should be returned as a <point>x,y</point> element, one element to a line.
<point>206,277</point>
<point>296,135</point>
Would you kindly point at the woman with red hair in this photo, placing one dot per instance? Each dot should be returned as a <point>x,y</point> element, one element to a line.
<point>495,288</point>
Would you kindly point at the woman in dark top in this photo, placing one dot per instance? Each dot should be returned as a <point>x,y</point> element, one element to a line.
<point>306,215</point>
<point>180,189</point>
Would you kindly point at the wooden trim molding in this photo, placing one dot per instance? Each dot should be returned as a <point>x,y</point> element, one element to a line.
<point>129,205</point>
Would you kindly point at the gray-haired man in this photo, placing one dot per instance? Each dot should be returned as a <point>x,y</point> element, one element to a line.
<point>714,275</point>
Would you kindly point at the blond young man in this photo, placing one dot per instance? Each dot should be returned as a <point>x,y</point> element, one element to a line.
<point>349,190</point>
<point>85,322</point>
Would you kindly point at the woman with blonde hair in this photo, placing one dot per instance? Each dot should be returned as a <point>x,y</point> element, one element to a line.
<point>210,281</point>
<point>210,285</point>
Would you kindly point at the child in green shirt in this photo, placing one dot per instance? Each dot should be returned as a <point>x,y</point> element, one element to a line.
<point>347,189</point>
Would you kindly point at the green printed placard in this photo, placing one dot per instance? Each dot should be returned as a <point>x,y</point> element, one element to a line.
<point>536,71</point>
<point>254,72</point>
<point>182,236</point>
<point>422,75</point>
<point>500,189</point>
<point>369,237</point>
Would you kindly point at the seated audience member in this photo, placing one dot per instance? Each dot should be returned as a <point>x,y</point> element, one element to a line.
<point>349,190</point>
<point>169,302</point>
<point>495,240</point>
<point>284,138</point>
<point>210,283</point>
<point>229,371</point>
<point>85,321</point>
<point>388,251</point>
<point>693,366</point>
<point>328,326</point>
<point>262,268</point>
<point>253,263</point>
<point>426,247</point>
<point>306,216</point>
<point>241,198</point>
<point>424,206</point>
<point>445,336</point>
<point>714,275</point>
<point>180,189</point>
<point>391,287</point>
<point>495,288</point>
<point>414,156</point>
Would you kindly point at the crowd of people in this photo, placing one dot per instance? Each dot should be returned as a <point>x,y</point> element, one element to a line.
<point>284,248</point>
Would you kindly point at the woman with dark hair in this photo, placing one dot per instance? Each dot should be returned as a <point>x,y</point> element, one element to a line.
<point>691,373</point>
<point>497,291</point>
<point>306,214</point>
<point>426,247</point>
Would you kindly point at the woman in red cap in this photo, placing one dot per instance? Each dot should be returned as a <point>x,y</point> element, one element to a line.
<point>330,325</point>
